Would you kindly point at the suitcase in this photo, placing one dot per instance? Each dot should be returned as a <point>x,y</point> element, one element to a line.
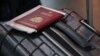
<point>61,39</point>
<point>16,43</point>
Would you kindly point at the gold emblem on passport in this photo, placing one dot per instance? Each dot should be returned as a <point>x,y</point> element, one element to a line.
<point>36,19</point>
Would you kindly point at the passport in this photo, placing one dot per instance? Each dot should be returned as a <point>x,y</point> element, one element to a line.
<point>37,19</point>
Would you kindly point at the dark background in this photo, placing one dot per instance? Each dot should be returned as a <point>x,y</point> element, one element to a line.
<point>12,8</point>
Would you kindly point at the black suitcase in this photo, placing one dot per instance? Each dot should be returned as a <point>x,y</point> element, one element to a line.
<point>61,39</point>
<point>16,43</point>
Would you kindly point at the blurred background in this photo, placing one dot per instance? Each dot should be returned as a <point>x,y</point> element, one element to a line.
<point>88,9</point>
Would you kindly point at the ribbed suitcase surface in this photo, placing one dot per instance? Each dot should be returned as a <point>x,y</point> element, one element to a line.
<point>21,44</point>
<point>17,43</point>
<point>57,40</point>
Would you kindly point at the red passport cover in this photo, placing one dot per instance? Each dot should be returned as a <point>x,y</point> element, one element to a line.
<point>40,18</point>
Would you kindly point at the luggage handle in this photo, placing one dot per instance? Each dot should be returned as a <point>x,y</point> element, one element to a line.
<point>91,28</point>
